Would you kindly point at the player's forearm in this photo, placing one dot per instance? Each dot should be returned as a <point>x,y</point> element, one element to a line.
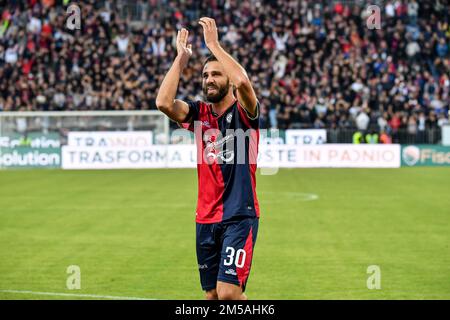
<point>234,70</point>
<point>169,86</point>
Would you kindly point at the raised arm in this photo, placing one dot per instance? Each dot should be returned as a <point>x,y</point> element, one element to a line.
<point>175,109</point>
<point>237,74</point>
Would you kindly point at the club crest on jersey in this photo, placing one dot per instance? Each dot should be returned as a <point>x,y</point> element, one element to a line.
<point>206,124</point>
<point>229,117</point>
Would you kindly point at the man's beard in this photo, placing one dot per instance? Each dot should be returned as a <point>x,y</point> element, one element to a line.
<point>221,92</point>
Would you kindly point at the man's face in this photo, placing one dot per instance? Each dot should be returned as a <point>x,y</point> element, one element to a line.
<point>215,83</point>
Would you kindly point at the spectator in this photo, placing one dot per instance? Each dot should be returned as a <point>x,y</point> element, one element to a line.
<point>421,127</point>
<point>442,120</point>
<point>11,55</point>
<point>412,49</point>
<point>412,128</point>
<point>362,121</point>
<point>413,11</point>
<point>313,63</point>
<point>382,122</point>
<point>385,138</point>
<point>122,44</point>
<point>442,48</point>
<point>280,39</point>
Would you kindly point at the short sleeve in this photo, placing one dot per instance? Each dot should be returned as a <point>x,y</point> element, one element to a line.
<point>253,121</point>
<point>193,115</point>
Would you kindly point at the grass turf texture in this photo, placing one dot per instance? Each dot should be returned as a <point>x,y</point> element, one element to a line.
<point>132,233</point>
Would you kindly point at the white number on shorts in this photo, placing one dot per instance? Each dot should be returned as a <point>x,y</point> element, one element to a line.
<point>240,257</point>
<point>230,256</point>
<point>240,253</point>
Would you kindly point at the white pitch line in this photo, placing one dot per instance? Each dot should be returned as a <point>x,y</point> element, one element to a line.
<point>73,295</point>
<point>299,196</point>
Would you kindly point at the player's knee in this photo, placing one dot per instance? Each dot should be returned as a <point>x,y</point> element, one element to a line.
<point>228,294</point>
<point>211,295</point>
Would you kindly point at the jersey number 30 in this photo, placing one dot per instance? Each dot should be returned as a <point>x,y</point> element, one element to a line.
<point>239,260</point>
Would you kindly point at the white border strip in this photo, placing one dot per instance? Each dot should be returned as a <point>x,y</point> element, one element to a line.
<point>73,295</point>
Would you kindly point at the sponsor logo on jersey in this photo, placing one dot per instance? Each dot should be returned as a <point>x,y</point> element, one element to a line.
<point>214,149</point>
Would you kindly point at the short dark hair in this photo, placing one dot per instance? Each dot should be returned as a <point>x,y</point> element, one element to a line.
<point>210,58</point>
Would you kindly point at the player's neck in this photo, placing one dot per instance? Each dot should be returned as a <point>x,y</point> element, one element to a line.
<point>220,107</point>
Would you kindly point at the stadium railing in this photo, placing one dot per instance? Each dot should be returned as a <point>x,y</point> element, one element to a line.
<point>63,122</point>
<point>152,120</point>
<point>401,136</point>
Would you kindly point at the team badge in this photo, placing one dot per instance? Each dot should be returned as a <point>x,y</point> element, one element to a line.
<point>229,117</point>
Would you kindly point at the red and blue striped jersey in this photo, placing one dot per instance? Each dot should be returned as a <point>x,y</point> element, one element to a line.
<point>227,150</point>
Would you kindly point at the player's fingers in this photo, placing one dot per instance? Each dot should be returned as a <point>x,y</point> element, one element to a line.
<point>208,21</point>
<point>183,36</point>
<point>205,22</point>
<point>213,24</point>
<point>179,41</point>
<point>189,47</point>
<point>186,36</point>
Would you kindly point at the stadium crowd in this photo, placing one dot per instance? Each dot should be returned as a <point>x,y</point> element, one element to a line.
<point>314,64</point>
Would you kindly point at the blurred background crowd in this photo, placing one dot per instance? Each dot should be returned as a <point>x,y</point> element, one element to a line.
<point>314,64</point>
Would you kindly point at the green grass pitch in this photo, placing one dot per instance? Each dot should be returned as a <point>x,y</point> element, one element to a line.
<point>132,233</point>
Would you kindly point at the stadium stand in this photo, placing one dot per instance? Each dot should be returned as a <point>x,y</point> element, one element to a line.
<point>314,64</point>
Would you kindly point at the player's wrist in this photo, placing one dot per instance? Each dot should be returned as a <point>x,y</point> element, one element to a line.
<point>181,61</point>
<point>213,45</point>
